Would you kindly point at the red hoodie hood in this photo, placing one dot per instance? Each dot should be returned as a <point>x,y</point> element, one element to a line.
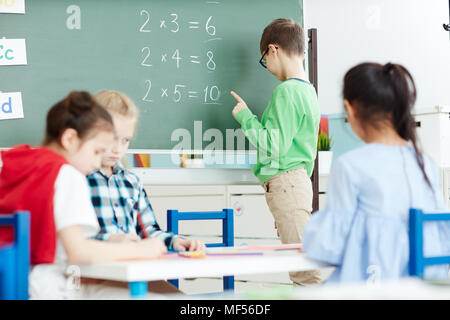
<point>27,180</point>
<point>22,162</point>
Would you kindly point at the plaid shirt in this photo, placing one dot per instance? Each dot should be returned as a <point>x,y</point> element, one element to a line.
<point>122,206</point>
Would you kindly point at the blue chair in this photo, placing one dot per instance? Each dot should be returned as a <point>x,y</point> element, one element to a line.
<point>226,215</point>
<point>15,258</point>
<point>417,262</point>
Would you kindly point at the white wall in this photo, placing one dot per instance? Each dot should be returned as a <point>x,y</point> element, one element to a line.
<point>408,32</point>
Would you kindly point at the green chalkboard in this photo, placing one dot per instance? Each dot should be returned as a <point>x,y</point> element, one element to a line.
<point>178,60</point>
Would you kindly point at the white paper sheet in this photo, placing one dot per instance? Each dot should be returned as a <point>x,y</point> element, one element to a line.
<point>12,52</point>
<point>11,106</point>
<point>12,6</point>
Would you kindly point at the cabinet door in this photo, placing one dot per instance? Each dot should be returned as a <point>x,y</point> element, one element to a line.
<point>322,201</point>
<point>263,277</point>
<point>445,184</point>
<point>252,217</point>
<point>197,228</point>
<point>427,130</point>
<point>323,182</point>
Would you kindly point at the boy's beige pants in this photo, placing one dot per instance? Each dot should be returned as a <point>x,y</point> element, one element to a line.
<point>289,196</point>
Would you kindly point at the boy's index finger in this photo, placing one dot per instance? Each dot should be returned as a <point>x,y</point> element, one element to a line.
<point>236,96</point>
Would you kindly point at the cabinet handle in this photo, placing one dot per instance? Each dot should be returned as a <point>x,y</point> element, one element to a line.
<point>418,124</point>
<point>238,209</point>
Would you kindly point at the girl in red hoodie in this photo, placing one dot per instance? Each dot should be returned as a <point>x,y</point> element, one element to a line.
<point>49,182</point>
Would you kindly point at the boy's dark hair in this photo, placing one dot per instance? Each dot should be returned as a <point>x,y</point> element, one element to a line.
<point>384,92</point>
<point>80,112</point>
<point>287,33</point>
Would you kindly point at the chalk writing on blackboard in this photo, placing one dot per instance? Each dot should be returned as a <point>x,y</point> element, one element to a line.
<point>179,92</point>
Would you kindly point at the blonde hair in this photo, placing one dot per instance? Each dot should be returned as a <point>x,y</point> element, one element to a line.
<point>117,102</point>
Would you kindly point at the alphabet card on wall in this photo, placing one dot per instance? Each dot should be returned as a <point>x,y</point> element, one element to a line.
<point>12,52</point>
<point>11,105</point>
<point>12,6</point>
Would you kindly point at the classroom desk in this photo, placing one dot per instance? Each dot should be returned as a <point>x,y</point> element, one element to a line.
<point>137,273</point>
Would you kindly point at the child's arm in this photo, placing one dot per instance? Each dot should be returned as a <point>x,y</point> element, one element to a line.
<point>182,244</point>
<point>147,224</point>
<point>124,237</point>
<point>326,233</point>
<point>75,221</point>
<point>282,124</point>
<point>152,228</point>
<point>84,250</point>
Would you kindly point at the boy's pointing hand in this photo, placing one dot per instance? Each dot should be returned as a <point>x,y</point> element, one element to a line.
<point>241,105</point>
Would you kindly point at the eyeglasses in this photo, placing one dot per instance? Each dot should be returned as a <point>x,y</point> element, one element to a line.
<point>262,61</point>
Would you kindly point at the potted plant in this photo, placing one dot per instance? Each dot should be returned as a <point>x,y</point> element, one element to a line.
<point>324,147</point>
<point>192,161</point>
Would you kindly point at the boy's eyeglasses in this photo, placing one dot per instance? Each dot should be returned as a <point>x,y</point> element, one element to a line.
<point>262,61</point>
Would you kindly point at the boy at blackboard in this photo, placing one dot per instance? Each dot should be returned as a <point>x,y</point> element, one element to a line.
<point>286,137</point>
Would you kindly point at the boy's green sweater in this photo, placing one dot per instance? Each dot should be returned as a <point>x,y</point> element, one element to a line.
<point>286,137</point>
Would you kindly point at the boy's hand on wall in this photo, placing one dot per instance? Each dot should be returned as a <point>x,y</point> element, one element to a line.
<point>241,105</point>
<point>181,244</point>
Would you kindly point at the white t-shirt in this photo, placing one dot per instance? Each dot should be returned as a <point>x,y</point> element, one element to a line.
<point>72,206</point>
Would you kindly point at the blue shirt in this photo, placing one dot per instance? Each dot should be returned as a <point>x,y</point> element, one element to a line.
<point>122,206</point>
<point>363,230</point>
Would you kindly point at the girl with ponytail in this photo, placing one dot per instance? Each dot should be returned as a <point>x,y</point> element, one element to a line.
<point>363,230</point>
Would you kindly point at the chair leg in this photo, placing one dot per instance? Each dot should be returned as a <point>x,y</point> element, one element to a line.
<point>8,285</point>
<point>138,290</point>
<point>228,283</point>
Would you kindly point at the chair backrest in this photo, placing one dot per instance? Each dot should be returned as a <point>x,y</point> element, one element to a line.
<point>15,258</point>
<point>417,261</point>
<point>226,215</point>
